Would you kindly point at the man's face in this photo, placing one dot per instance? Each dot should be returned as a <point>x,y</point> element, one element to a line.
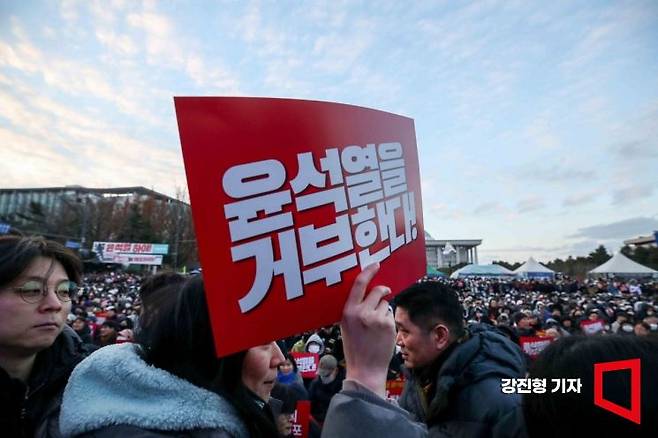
<point>417,344</point>
<point>30,328</point>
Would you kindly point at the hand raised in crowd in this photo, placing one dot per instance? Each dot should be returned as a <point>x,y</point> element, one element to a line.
<point>368,330</point>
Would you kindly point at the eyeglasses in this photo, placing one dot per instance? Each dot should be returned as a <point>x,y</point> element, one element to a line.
<point>33,291</point>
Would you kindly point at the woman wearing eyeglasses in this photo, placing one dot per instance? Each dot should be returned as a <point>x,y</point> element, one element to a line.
<point>38,350</point>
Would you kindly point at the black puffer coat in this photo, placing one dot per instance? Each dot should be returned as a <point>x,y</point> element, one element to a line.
<point>32,410</point>
<point>468,400</point>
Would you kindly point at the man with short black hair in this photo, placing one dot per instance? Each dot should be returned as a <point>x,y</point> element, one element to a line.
<point>38,350</point>
<point>454,374</point>
<point>454,386</point>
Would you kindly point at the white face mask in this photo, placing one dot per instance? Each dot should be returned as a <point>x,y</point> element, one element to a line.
<point>313,348</point>
<point>653,327</point>
<point>627,328</point>
<point>330,378</point>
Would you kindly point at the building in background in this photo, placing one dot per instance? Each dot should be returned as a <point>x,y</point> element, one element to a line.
<point>19,205</point>
<point>643,241</point>
<point>449,253</point>
<point>78,216</point>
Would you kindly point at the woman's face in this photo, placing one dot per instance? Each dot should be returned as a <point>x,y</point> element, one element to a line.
<point>286,367</point>
<point>259,369</point>
<point>78,325</point>
<point>284,424</point>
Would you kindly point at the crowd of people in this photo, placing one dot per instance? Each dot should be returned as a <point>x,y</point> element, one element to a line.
<point>122,354</point>
<point>106,308</point>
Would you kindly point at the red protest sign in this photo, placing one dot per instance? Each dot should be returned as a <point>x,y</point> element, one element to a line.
<point>592,327</point>
<point>100,317</point>
<point>307,364</point>
<point>534,345</point>
<point>301,418</point>
<point>394,389</point>
<point>291,199</point>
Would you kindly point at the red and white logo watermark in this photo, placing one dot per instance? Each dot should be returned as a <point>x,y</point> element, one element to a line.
<point>564,386</point>
<point>632,414</point>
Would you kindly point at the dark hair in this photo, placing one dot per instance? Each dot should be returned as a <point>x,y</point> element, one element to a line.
<point>556,414</point>
<point>288,356</point>
<point>430,302</point>
<point>176,335</point>
<point>111,324</point>
<point>158,281</point>
<point>286,396</point>
<point>17,253</point>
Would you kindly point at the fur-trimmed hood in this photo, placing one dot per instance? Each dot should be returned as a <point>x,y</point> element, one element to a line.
<point>114,386</point>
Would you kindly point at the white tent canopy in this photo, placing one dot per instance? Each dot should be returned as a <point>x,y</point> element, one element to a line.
<point>532,268</point>
<point>482,271</point>
<point>621,265</point>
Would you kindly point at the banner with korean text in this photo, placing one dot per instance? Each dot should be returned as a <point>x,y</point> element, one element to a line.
<point>592,327</point>
<point>129,253</point>
<point>534,345</point>
<point>291,200</point>
<point>307,364</point>
<point>394,389</point>
<point>300,419</point>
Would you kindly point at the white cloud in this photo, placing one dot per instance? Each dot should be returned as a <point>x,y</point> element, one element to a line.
<point>121,44</point>
<point>489,208</point>
<point>68,9</point>
<point>338,52</point>
<point>579,199</point>
<point>540,134</point>
<point>623,229</point>
<point>166,46</point>
<point>629,194</point>
<point>529,204</point>
<point>53,134</point>
<point>57,72</point>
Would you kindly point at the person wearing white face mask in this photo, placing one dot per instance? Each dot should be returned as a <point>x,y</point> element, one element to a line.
<point>314,344</point>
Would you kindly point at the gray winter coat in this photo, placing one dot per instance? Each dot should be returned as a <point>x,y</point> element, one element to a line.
<point>468,401</point>
<point>115,393</point>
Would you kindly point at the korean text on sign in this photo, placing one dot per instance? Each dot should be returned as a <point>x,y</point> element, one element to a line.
<point>365,185</point>
<point>290,198</point>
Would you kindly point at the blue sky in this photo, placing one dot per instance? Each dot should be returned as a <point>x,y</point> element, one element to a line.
<point>537,122</point>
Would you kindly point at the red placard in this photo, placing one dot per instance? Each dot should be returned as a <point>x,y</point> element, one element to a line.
<point>592,327</point>
<point>291,199</point>
<point>307,364</point>
<point>394,389</point>
<point>100,318</point>
<point>534,345</point>
<point>301,418</point>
